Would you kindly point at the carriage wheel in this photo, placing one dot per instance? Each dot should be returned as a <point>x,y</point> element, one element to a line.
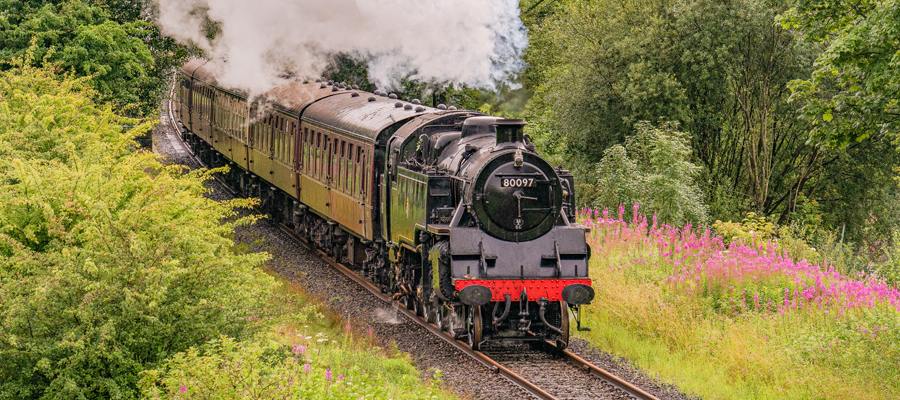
<point>430,311</point>
<point>474,328</point>
<point>442,318</point>
<point>563,341</point>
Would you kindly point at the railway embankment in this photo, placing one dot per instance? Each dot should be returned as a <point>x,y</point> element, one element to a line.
<point>738,319</point>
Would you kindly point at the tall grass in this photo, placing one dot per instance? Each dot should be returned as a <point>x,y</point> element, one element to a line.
<point>738,320</point>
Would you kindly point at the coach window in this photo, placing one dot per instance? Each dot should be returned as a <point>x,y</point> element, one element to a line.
<point>359,172</point>
<point>218,117</point>
<point>279,139</point>
<point>279,136</point>
<point>274,136</point>
<point>221,114</point>
<point>337,167</point>
<point>348,184</point>
<point>229,118</point>
<point>270,135</point>
<point>323,158</point>
<point>215,115</point>
<point>346,157</point>
<point>317,154</point>
<point>331,149</point>
<point>260,134</point>
<point>304,153</point>
<point>348,166</point>
<point>264,135</point>
<point>362,176</point>
<point>282,139</point>
<point>288,140</point>
<point>342,167</point>
<point>232,117</point>
<point>289,149</point>
<point>334,162</point>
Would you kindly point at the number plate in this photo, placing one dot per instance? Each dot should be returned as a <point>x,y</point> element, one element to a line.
<point>516,182</point>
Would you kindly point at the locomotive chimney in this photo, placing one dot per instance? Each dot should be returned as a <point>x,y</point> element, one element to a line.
<point>510,131</point>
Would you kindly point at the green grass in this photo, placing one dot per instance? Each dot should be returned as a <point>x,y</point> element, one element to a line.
<point>682,339</point>
<point>290,359</point>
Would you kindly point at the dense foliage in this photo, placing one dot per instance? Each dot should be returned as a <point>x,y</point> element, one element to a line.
<point>107,40</point>
<point>853,93</point>
<point>752,96</point>
<point>653,168</point>
<point>109,261</point>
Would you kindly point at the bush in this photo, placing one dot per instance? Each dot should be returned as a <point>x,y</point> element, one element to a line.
<point>652,169</point>
<point>109,261</point>
<point>297,359</point>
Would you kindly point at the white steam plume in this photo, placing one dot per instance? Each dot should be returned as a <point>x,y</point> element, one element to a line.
<point>473,42</point>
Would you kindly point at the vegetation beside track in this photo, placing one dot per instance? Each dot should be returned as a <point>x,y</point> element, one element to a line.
<point>305,352</point>
<point>118,274</point>
<point>740,320</point>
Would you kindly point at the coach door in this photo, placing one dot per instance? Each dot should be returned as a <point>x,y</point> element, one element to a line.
<point>346,206</point>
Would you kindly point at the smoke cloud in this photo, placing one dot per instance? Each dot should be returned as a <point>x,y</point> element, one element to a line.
<point>472,42</point>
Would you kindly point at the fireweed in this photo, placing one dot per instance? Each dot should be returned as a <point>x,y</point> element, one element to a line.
<point>738,320</point>
<point>736,277</point>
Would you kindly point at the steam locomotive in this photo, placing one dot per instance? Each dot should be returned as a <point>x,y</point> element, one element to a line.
<point>450,211</point>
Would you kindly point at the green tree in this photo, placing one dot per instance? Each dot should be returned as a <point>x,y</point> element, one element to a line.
<point>653,169</point>
<point>110,41</point>
<point>853,93</point>
<point>109,261</point>
<point>722,70</point>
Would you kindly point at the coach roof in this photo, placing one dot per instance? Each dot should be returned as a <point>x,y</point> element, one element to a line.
<point>362,113</point>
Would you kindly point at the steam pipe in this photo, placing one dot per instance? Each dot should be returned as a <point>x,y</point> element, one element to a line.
<point>496,319</point>
<point>541,311</point>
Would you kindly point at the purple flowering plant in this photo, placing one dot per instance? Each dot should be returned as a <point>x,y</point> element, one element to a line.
<point>736,277</point>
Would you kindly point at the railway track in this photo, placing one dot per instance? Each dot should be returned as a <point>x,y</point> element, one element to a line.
<point>546,372</point>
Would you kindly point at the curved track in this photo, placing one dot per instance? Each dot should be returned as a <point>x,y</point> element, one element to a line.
<point>546,372</point>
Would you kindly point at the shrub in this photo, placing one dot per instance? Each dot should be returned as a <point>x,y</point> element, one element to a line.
<point>653,169</point>
<point>109,261</point>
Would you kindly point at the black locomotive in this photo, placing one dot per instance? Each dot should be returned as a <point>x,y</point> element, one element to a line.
<point>449,210</point>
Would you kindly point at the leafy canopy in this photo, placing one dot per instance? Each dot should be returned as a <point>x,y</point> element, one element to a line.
<point>124,55</point>
<point>854,91</point>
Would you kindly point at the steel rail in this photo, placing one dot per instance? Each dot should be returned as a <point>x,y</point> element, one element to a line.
<point>481,358</point>
<point>604,374</point>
